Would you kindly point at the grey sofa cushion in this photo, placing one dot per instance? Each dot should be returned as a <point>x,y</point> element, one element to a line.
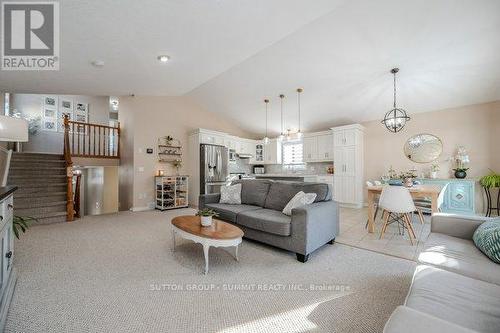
<point>460,256</point>
<point>229,212</point>
<point>280,193</point>
<point>254,191</point>
<point>467,302</point>
<point>268,220</point>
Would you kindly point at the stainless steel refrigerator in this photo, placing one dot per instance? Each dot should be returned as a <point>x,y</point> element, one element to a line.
<point>213,168</point>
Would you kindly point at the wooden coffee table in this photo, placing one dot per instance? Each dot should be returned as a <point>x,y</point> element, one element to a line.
<point>219,234</point>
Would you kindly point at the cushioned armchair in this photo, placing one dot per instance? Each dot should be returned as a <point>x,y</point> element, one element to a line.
<point>260,215</point>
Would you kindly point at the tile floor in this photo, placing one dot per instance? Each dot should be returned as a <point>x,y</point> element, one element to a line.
<point>353,232</point>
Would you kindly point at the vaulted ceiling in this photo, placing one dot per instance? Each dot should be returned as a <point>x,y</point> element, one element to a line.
<point>229,55</point>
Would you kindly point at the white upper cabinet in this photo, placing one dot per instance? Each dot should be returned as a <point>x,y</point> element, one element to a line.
<point>318,147</point>
<point>213,138</point>
<point>310,152</point>
<point>344,137</point>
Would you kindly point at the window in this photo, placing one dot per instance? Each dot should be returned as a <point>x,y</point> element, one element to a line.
<point>293,153</point>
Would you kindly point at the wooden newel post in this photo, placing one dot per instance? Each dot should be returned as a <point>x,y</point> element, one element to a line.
<point>70,209</point>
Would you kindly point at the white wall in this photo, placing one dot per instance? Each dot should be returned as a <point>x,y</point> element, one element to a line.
<point>52,142</point>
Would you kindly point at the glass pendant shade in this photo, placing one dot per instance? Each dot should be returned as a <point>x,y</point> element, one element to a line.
<point>395,120</point>
<point>266,140</point>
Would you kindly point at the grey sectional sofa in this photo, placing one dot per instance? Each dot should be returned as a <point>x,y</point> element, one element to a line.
<point>261,219</point>
<point>456,288</point>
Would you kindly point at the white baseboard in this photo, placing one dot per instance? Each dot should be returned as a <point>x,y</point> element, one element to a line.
<point>140,209</point>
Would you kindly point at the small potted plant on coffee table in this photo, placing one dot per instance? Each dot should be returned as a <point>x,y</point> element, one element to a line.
<point>206,215</point>
<point>407,178</point>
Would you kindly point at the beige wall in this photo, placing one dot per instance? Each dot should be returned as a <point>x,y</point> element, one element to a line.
<point>150,118</point>
<point>476,127</point>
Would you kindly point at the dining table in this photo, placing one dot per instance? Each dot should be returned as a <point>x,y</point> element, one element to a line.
<point>416,191</point>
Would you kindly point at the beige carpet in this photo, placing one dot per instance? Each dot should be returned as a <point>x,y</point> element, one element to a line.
<point>115,273</point>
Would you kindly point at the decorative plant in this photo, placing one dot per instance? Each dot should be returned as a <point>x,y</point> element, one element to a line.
<point>207,212</point>
<point>435,167</point>
<point>392,173</point>
<point>461,159</point>
<point>491,180</point>
<point>407,174</point>
<point>21,223</point>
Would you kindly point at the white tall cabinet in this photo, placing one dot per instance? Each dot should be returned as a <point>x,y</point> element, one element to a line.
<point>348,157</point>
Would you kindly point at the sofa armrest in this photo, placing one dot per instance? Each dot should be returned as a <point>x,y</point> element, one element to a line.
<point>317,223</point>
<point>408,320</point>
<point>208,198</point>
<point>461,226</point>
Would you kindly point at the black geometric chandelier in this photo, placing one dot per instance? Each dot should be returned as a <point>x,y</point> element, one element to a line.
<point>395,119</point>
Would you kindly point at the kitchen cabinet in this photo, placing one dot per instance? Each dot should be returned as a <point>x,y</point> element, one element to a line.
<point>213,138</point>
<point>325,147</point>
<point>7,271</point>
<point>310,149</point>
<point>344,137</point>
<point>318,147</point>
<point>348,152</point>
<point>231,142</point>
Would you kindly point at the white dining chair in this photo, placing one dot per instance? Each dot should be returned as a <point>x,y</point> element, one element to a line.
<point>397,203</point>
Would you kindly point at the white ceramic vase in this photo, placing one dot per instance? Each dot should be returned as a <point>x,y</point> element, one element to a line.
<point>434,174</point>
<point>206,221</point>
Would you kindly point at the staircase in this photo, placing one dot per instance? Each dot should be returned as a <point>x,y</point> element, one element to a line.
<point>42,183</point>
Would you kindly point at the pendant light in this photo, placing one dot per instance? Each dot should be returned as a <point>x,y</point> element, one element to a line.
<point>299,91</point>
<point>282,135</point>
<point>395,119</point>
<point>266,138</point>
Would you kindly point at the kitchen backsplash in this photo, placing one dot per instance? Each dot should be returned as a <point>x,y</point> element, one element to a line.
<point>239,166</point>
<point>309,168</point>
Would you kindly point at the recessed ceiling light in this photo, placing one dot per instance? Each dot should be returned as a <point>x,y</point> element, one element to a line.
<point>98,63</point>
<point>163,58</point>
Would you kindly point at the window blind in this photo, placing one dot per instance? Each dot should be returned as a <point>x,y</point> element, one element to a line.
<point>293,153</point>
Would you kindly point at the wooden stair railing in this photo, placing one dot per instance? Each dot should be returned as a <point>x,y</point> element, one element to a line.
<point>93,140</point>
<point>70,210</point>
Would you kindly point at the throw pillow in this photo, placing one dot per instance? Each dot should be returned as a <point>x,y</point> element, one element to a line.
<point>230,194</point>
<point>487,239</point>
<point>300,199</point>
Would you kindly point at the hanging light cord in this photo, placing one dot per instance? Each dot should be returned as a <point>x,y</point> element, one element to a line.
<point>298,100</point>
<point>266,101</point>
<point>394,89</point>
<point>281,99</point>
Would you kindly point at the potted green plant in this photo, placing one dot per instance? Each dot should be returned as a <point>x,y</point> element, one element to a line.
<point>20,223</point>
<point>206,215</point>
<point>491,180</point>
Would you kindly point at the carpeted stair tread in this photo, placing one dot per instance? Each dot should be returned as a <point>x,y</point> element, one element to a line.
<point>44,194</point>
<point>29,205</point>
<point>38,156</point>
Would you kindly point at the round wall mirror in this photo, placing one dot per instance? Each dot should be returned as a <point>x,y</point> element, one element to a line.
<point>423,148</point>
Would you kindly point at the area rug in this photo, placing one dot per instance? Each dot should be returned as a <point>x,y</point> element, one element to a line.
<point>117,273</point>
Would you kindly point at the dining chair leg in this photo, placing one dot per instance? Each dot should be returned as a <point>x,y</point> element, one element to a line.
<point>388,217</point>
<point>384,226</point>
<point>411,231</point>
<point>420,216</point>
